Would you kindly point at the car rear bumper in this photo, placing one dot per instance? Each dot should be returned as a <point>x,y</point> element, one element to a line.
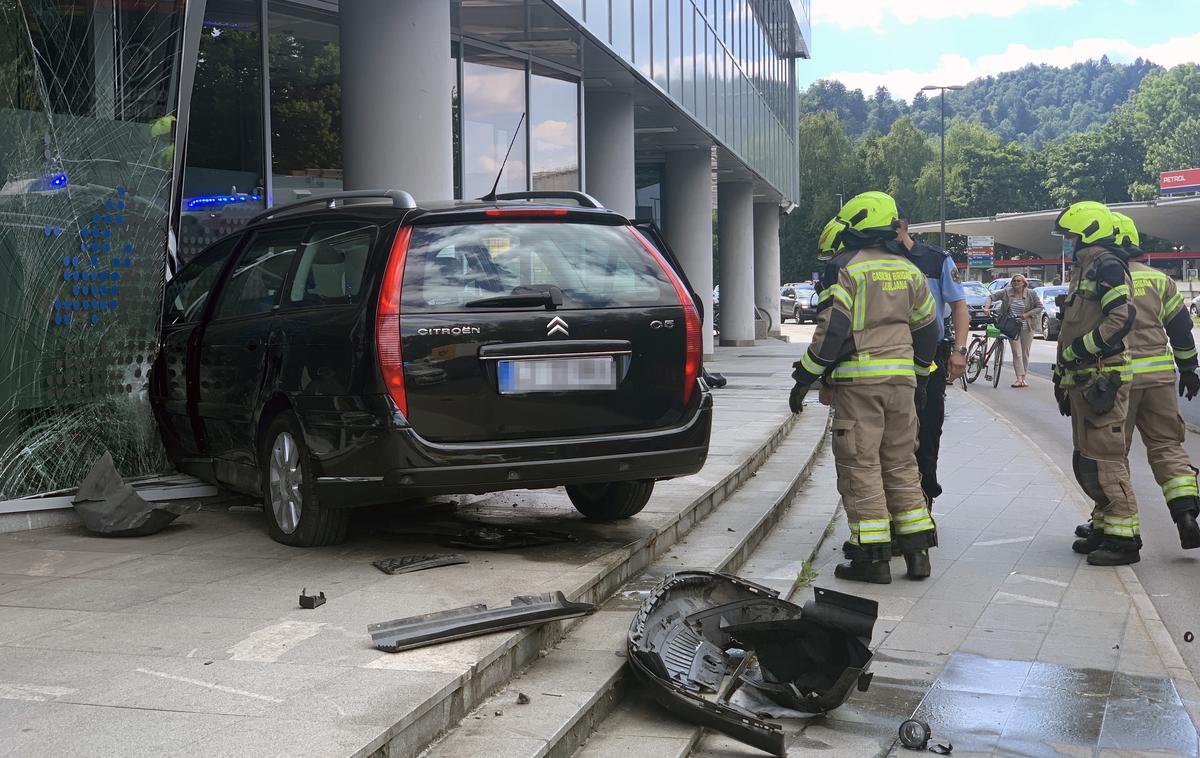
<point>394,464</point>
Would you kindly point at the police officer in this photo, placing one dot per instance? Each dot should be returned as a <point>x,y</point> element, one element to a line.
<point>1159,343</point>
<point>1092,379</point>
<point>876,339</point>
<point>951,359</point>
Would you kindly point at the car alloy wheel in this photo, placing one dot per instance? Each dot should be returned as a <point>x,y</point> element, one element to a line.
<point>796,315</point>
<point>286,482</point>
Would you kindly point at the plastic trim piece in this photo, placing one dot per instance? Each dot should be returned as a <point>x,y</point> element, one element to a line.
<point>473,620</point>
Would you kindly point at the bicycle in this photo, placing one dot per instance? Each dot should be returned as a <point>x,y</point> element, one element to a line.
<point>980,353</point>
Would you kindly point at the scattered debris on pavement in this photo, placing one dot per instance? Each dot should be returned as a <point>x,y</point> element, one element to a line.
<point>473,620</point>
<point>482,536</point>
<point>311,601</point>
<point>914,734</point>
<point>109,506</point>
<point>522,698</point>
<point>699,630</point>
<point>941,749</point>
<point>1188,636</point>
<point>404,564</point>
<point>714,380</point>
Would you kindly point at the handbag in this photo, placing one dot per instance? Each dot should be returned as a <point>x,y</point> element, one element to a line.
<point>1009,324</point>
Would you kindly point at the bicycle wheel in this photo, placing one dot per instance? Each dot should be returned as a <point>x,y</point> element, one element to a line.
<point>997,363</point>
<point>975,359</point>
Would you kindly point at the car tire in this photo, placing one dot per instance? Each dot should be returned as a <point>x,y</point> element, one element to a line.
<point>796,315</point>
<point>612,501</point>
<point>1045,327</point>
<point>295,514</point>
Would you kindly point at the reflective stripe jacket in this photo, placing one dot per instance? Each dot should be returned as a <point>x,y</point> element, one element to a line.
<point>1161,320</point>
<point>1097,317</point>
<point>878,325</point>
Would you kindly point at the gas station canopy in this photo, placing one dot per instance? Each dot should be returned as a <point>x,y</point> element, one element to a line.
<point>1174,219</point>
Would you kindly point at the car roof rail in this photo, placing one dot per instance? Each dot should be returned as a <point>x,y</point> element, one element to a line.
<point>400,199</point>
<point>584,200</point>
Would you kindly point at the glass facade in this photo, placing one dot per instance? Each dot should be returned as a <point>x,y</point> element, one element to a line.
<point>728,63</point>
<point>88,94</point>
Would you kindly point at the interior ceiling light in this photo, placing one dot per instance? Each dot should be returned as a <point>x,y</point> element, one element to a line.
<point>655,130</point>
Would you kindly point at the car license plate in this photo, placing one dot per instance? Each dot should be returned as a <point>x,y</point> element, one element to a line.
<point>557,375</point>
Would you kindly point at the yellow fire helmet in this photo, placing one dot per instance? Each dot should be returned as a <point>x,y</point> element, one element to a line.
<point>830,240</point>
<point>1127,233</point>
<point>1092,222</point>
<point>870,212</point>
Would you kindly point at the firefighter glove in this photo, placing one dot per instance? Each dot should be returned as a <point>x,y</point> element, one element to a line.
<point>796,399</point>
<point>1189,384</point>
<point>922,392</point>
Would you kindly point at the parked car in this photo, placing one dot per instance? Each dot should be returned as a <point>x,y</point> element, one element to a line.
<point>976,295</point>
<point>325,358</point>
<point>802,299</point>
<point>1050,323</point>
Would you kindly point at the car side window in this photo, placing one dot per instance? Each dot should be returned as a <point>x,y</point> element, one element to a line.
<point>257,280</point>
<point>331,266</point>
<point>188,291</point>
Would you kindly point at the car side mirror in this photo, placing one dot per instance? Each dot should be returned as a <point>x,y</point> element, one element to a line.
<point>1060,301</point>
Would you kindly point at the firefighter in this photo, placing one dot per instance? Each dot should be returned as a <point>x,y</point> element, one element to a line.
<point>875,338</point>
<point>1159,343</point>
<point>1092,378</point>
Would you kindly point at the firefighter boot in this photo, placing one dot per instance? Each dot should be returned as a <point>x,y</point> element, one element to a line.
<point>875,572</point>
<point>917,564</point>
<point>1089,543</point>
<point>1184,511</point>
<point>1115,551</point>
<point>1084,530</point>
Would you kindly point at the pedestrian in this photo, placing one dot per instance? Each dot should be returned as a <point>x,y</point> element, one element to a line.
<point>1160,342</point>
<point>1092,377</point>
<point>941,275</point>
<point>1024,304</point>
<point>875,339</point>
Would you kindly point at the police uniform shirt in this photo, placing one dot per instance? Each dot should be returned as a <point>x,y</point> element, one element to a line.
<point>942,276</point>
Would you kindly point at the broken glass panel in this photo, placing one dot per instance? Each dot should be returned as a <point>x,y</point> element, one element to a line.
<point>88,92</point>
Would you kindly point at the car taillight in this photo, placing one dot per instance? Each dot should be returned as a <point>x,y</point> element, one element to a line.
<point>387,322</point>
<point>691,320</point>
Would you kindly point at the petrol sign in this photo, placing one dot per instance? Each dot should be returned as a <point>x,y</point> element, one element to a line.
<point>1175,182</point>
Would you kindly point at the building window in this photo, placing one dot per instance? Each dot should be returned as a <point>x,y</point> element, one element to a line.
<point>554,131</point>
<point>306,102</point>
<point>622,29</point>
<point>659,30</point>
<point>224,178</point>
<point>597,18</point>
<point>493,104</point>
<point>641,39</point>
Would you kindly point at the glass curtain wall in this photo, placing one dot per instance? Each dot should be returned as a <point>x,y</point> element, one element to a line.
<point>224,176</point>
<point>554,131</point>
<point>88,92</point>
<point>306,102</point>
<point>493,118</point>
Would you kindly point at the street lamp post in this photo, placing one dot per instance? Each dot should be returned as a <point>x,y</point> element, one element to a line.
<point>942,201</point>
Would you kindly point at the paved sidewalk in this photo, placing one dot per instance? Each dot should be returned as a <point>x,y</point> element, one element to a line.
<point>1015,646</point>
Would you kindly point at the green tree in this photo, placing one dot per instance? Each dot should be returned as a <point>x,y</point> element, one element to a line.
<point>894,162</point>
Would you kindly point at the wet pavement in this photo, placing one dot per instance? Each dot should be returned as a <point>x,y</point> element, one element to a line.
<point>1015,646</point>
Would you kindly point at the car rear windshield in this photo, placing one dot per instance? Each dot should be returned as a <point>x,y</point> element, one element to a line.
<point>453,268</point>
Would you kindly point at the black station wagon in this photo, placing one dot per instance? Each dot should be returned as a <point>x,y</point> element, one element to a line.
<point>359,349</point>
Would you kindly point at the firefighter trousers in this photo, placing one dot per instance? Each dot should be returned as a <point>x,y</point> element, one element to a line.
<point>1154,412</point>
<point>1101,463</point>
<point>874,448</point>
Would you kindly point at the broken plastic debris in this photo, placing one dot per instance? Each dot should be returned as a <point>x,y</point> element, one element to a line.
<point>311,601</point>
<point>941,749</point>
<point>522,698</point>
<point>689,632</point>
<point>1188,636</point>
<point>109,506</point>
<point>404,564</point>
<point>473,620</point>
<point>482,536</point>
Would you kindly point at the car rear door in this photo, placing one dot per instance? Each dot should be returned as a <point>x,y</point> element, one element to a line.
<point>240,351</point>
<point>603,350</point>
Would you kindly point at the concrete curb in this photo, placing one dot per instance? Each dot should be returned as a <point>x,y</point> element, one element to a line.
<point>613,682</point>
<point>1164,643</point>
<point>516,650</point>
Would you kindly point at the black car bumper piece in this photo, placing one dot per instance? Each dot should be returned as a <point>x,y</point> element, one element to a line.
<point>385,465</point>
<point>809,658</point>
<point>473,620</point>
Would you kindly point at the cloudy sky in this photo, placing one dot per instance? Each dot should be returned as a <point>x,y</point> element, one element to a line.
<point>904,44</point>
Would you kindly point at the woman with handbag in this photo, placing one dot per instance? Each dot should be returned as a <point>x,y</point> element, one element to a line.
<point>1022,305</point>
